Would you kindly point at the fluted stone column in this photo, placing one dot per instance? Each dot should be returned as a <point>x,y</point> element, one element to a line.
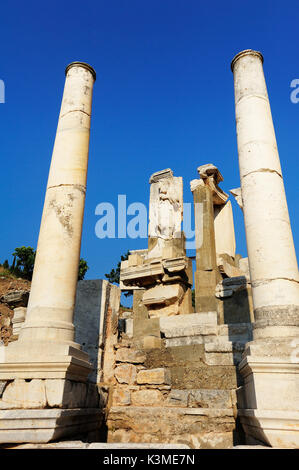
<point>48,330</point>
<point>268,401</point>
<point>271,253</point>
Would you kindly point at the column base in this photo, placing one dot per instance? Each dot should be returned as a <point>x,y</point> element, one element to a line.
<point>19,426</point>
<point>43,361</point>
<point>273,427</point>
<point>268,401</point>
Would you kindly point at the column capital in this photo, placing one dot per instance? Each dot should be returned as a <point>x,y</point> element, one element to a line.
<point>244,53</point>
<point>84,65</point>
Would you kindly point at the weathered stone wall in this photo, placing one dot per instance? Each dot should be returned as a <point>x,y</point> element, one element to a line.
<point>93,299</point>
<point>183,391</point>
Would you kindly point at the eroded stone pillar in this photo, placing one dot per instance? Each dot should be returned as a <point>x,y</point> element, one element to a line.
<point>47,395</point>
<point>268,401</point>
<point>206,194</point>
<point>271,253</point>
<point>54,282</point>
<point>49,328</point>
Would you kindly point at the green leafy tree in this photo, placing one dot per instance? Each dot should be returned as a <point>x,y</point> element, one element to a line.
<point>23,263</point>
<point>83,268</point>
<point>114,275</point>
<point>5,264</point>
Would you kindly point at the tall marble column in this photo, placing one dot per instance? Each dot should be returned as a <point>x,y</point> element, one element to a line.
<point>271,253</point>
<point>49,325</point>
<point>268,401</point>
<point>53,288</point>
<point>47,394</point>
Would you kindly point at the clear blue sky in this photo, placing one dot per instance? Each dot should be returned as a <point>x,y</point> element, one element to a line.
<point>163,98</point>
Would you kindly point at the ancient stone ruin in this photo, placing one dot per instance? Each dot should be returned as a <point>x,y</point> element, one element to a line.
<point>162,273</point>
<point>215,375</point>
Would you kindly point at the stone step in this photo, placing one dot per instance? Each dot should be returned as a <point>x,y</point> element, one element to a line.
<point>188,340</point>
<point>99,445</point>
<point>214,376</point>
<point>248,447</point>
<point>216,350</point>
<point>198,328</point>
<point>201,398</point>
<point>197,427</point>
<point>204,334</point>
<point>179,398</point>
<point>44,425</point>
<point>189,330</point>
<point>193,324</point>
<point>223,359</point>
<point>223,352</point>
<point>221,345</point>
<point>190,369</point>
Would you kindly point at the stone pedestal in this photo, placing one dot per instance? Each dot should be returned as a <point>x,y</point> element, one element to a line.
<point>163,272</point>
<point>270,395</point>
<point>270,400</point>
<point>46,350</point>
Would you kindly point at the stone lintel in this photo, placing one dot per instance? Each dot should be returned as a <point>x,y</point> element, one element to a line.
<point>122,286</point>
<point>163,294</point>
<point>131,275</point>
<point>175,264</point>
